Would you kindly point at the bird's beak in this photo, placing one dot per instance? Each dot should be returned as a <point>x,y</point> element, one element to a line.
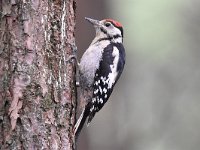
<point>93,22</point>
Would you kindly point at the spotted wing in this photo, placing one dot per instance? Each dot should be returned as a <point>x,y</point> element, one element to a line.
<point>111,66</point>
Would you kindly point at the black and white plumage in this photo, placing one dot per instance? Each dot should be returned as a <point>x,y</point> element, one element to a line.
<point>100,67</point>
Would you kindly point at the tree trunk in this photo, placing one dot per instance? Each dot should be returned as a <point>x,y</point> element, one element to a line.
<point>37,81</point>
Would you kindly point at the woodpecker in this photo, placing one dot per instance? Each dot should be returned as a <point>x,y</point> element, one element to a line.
<point>100,68</point>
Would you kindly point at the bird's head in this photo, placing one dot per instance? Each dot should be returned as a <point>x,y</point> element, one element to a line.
<point>107,28</point>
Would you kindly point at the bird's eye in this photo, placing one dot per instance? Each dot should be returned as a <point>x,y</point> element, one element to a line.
<point>107,24</point>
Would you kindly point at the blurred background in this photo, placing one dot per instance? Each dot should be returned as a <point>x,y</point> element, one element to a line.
<point>156,103</point>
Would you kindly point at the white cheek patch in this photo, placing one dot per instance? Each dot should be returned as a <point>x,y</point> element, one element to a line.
<point>114,31</point>
<point>112,76</point>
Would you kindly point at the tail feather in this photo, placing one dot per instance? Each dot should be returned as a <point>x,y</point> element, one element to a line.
<point>80,122</point>
<point>85,98</point>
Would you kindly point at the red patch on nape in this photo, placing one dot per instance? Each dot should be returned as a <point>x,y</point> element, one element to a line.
<point>116,23</point>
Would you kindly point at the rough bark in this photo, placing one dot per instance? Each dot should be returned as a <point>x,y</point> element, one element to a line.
<point>37,83</point>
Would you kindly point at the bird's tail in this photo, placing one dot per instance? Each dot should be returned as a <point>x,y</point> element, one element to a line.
<point>80,122</point>
<point>85,98</point>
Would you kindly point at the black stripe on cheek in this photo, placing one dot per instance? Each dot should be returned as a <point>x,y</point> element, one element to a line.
<point>104,39</point>
<point>116,36</point>
<point>103,30</point>
<point>109,38</point>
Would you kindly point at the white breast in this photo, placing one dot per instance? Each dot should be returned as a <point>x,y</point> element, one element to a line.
<point>90,60</point>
